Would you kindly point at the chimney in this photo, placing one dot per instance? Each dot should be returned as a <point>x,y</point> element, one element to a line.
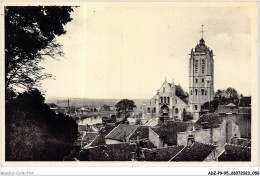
<point>137,138</point>
<point>191,140</point>
<point>235,139</point>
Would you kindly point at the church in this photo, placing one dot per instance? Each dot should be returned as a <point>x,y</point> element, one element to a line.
<point>171,100</point>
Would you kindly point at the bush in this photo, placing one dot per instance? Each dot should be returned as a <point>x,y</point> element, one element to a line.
<point>34,132</point>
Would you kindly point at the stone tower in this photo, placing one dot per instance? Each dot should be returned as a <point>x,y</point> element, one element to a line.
<point>201,77</point>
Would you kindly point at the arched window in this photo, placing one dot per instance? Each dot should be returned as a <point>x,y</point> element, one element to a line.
<point>203,66</point>
<point>176,110</point>
<point>196,66</point>
<point>164,99</point>
<point>175,101</point>
<point>202,80</point>
<point>196,92</point>
<point>163,89</point>
<point>196,107</point>
<point>196,80</point>
<point>161,99</point>
<point>202,92</point>
<point>168,99</point>
<point>205,92</point>
<point>191,92</point>
<point>148,110</point>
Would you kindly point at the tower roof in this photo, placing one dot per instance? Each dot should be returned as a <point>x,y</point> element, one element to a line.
<point>201,47</point>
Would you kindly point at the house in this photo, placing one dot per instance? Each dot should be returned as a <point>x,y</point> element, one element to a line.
<point>111,152</point>
<point>100,139</point>
<point>196,151</point>
<point>162,154</point>
<point>120,133</point>
<point>142,132</point>
<point>235,153</point>
<point>240,141</point>
<point>213,129</point>
<point>244,102</point>
<point>166,135</point>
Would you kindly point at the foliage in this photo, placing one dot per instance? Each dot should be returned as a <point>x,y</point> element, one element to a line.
<point>125,106</point>
<point>106,107</point>
<point>34,132</point>
<point>222,97</point>
<point>138,121</point>
<point>230,95</point>
<point>30,33</point>
<point>186,116</point>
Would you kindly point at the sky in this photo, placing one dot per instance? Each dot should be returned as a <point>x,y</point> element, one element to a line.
<point>126,50</point>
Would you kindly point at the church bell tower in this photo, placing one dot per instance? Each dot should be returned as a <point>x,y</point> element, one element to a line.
<point>201,77</point>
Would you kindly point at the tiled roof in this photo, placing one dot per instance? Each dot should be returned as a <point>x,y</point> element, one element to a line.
<point>163,154</point>
<point>208,121</point>
<point>196,152</point>
<point>224,109</point>
<point>235,153</point>
<point>237,141</point>
<point>143,133</point>
<point>52,105</point>
<point>121,131</point>
<point>245,102</point>
<point>90,136</point>
<point>169,130</point>
<point>111,152</point>
<point>100,139</point>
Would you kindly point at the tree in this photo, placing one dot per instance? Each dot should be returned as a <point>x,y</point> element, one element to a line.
<point>34,132</point>
<point>186,116</point>
<point>230,95</point>
<point>30,33</point>
<point>125,106</point>
<point>106,107</point>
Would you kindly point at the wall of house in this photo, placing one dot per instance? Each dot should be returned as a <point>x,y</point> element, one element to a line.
<point>112,141</point>
<point>155,139</point>
<point>180,105</point>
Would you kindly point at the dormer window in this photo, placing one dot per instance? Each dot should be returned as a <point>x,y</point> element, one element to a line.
<point>163,89</point>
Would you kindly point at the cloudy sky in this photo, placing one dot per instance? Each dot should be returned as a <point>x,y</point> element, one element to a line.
<point>125,50</point>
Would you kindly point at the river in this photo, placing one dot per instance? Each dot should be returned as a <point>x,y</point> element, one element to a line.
<point>98,119</point>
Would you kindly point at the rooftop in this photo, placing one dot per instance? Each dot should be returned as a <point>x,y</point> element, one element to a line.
<point>169,130</point>
<point>235,153</point>
<point>226,109</point>
<point>163,154</point>
<point>196,152</point>
<point>100,139</point>
<point>111,152</point>
<point>209,121</point>
<point>121,131</point>
<point>143,133</point>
